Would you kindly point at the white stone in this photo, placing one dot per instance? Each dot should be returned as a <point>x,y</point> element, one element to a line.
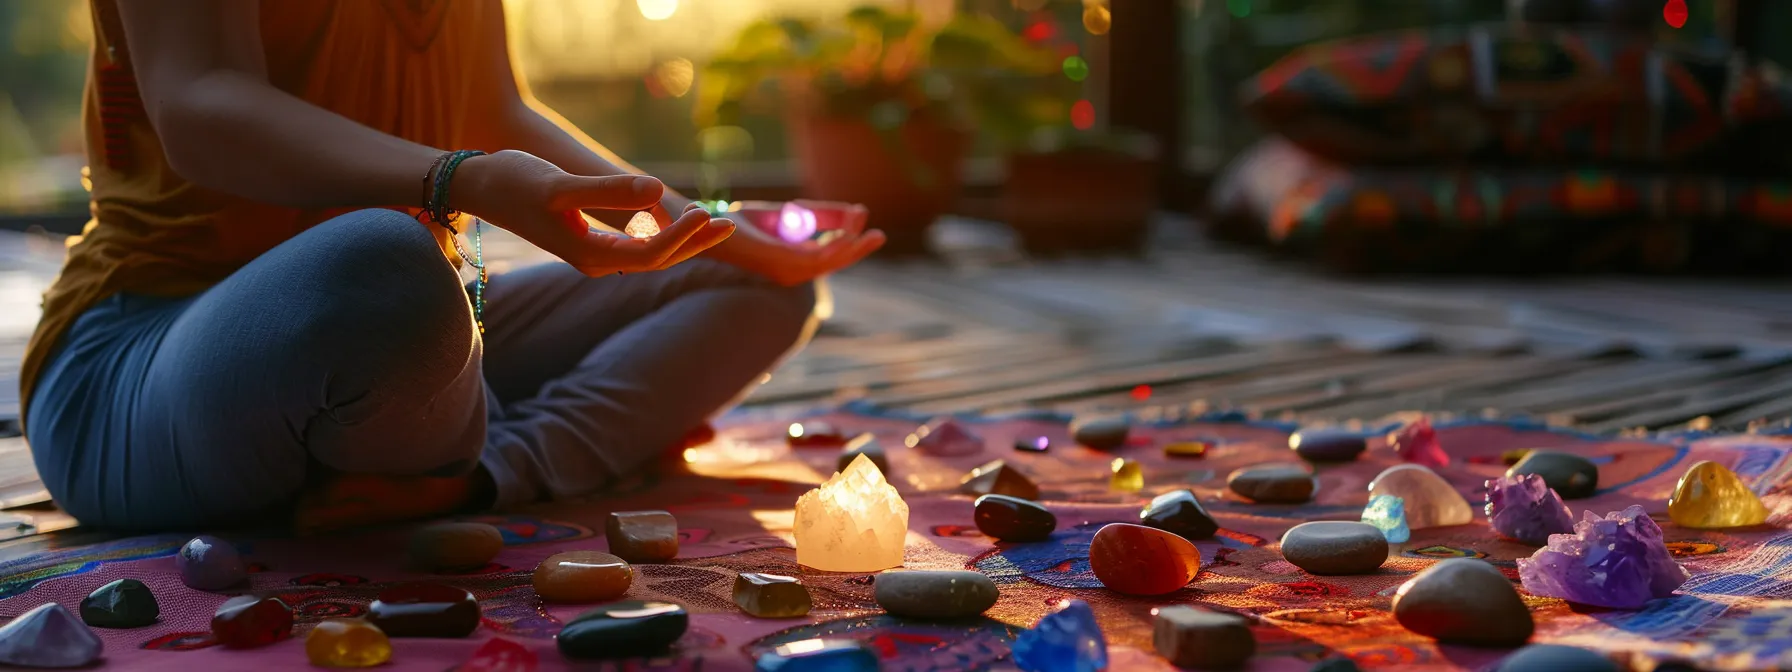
<point>854,522</point>
<point>1430,500</point>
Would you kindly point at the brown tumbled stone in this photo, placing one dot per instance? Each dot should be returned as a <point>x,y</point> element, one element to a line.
<point>642,536</point>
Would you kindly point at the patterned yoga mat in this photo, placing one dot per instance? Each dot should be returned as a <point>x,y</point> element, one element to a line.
<point>733,499</point>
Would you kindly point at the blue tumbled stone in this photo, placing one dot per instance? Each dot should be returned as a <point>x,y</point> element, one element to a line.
<point>819,655</point>
<point>1066,640</point>
<point>1388,514</point>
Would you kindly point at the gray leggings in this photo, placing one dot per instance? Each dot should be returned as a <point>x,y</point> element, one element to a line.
<point>351,348</point>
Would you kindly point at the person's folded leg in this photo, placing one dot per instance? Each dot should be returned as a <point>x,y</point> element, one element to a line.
<point>594,378</point>
<point>350,346</point>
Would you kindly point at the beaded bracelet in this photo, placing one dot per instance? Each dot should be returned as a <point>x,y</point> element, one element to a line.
<point>435,206</point>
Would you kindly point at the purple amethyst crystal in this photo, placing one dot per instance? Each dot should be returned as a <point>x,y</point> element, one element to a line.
<point>1524,508</point>
<point>1617,561</point>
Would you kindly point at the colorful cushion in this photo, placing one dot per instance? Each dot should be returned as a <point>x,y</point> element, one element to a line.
<point>1512,93</point>
<point>1325,203</point>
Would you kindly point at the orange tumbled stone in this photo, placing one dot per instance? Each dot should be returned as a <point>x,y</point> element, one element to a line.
<point>1139,560</point>
<point>582,576</point>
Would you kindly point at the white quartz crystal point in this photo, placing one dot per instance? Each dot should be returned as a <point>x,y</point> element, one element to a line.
<point>854,522</point>
<point>1430,500</point>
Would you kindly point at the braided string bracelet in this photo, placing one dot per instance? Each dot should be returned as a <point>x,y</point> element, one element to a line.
<point>435,207</point>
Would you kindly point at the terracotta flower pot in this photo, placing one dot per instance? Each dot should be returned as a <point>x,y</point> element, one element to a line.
<point>905,186</point>
<point>1079,199</point>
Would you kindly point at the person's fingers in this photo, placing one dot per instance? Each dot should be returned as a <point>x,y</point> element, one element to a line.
<point>657,249</point>
<point>574,221</point>
<point>831,215</point>
<point>852,252</point>
<point>615,192</point>
<point>856,216</point>
<point>717,231</point>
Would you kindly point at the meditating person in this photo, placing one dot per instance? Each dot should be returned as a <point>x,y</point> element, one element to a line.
<point>266,317</point>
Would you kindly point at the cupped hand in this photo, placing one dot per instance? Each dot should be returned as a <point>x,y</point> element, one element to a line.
<point>790,263</point>
<point>536,200</point>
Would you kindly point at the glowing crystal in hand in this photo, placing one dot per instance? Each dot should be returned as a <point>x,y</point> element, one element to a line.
<point>642,225</point>
<point>796,223</point>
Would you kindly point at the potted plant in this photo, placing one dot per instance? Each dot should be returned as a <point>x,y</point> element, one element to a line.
<point>1071,189</point>
<point>1072,183</point>
<point>877,104</point>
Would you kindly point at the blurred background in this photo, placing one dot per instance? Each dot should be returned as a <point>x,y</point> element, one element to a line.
<point>1074,121</point>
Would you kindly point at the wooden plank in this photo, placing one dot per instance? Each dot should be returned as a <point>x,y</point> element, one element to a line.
<point>1155,374</point>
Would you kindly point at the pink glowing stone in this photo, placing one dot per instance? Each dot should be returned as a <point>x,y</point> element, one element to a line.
<point>796,223</point>
<point>1417,443</point>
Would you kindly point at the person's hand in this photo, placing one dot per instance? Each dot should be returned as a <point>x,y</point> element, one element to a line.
<point>541,203</point>
<point>756,249</point>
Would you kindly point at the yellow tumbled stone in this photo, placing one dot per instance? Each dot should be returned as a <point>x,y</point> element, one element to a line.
<point>1711,497</point>
<point>347,642</point>
<point>1128,476</point>
<point>1187,449</point>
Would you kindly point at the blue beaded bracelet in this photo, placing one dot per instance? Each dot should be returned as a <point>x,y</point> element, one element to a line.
<point>435,206</point>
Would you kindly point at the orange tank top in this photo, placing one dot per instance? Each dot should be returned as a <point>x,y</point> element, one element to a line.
<point>393,65</point>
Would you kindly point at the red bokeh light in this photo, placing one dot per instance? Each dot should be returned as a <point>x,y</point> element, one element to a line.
<point>1674,12</point>
<point>1141,393</point>
<point>1082,115</point>
<point>1040,31</point>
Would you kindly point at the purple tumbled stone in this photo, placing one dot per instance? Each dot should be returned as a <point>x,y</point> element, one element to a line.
<point>210,563</point>
<point>1524,508</point>
<point>1417,443</point>
<point>48,636</point>
<point>945,436</point>
<point>1617,561</point>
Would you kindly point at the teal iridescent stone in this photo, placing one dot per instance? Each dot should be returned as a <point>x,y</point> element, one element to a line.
<point>1388,514</point>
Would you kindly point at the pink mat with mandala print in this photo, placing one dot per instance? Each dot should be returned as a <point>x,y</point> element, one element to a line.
<point>733,499</point>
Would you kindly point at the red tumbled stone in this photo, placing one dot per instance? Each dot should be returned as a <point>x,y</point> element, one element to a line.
<point>1139,560</point>
<point>247,622</point>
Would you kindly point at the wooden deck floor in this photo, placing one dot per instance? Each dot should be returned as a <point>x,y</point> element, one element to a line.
<point>1205,327</point>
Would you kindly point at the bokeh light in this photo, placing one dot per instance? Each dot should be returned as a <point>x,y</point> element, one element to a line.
<point>1097,19</point>
<point>1076,68</point>
<point>674,77</point>
<point>1082,115</point>
<point>657,10</point>
<point>1141,393</point>
<point>1239,8</point>
<point>1040,30</point>
<point>1675,13</point>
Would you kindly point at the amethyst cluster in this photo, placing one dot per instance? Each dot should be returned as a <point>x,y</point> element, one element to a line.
<point>1617,561</point>
<point>1523,507</point>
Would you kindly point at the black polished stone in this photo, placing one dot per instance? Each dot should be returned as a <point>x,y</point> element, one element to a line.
<point>1336,665</point>
<point>1570,475</point>
<point>125,603</point>
<point>1180,513</point>
<point>1327,445</point>
<point>1013,519</point>
<point>624,629</point>
<point>425,610</point>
